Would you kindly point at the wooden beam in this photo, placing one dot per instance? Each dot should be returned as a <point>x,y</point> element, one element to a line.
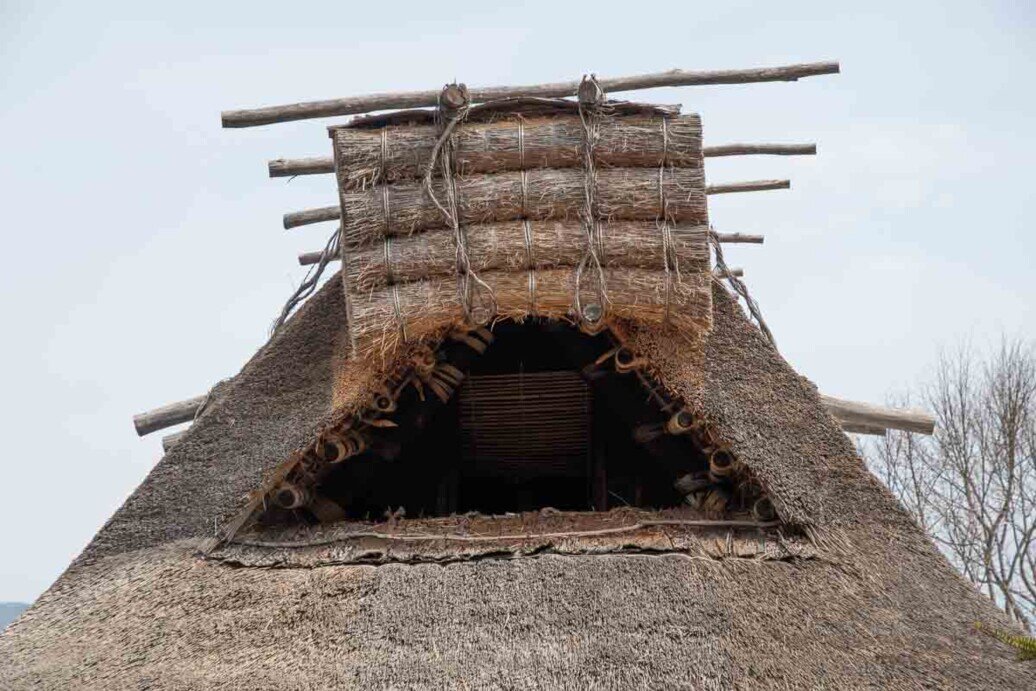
<point>168,415</point>
<point>760,150</point>
<point>417,99</point>
<point>320,165</point>
<point>872,417</point>
<point>750,186</point>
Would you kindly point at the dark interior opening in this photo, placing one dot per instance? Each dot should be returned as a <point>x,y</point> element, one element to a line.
<point>534,424</point>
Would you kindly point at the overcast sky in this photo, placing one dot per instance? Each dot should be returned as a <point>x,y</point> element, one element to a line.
<point>143,257</point>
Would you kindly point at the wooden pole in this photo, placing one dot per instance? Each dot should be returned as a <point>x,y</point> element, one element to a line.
<point>305,217</point>
<point>317,165</point>
<point>750,186</point>
<point>416,99</point>
<point>324,165</point>
<point>760,149</point>
<point>867,418</point>
<point>738,238</point>
<point>290,167</point>
<point>168,415</point>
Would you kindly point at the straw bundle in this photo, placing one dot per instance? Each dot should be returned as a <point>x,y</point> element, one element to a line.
<point>387,317</point>
<point>551,194</point>
<point>522,245</point>
<point>365,157</point>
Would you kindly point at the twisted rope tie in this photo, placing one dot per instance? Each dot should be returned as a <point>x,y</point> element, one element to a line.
<point>443,157</point>
<point>589,115</point>
<point>740,288</point>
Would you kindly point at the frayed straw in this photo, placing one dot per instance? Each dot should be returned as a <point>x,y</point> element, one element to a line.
<point>522,245</point>
<point>622,194</point>
<point>368,157</point>
<point>380,319</point>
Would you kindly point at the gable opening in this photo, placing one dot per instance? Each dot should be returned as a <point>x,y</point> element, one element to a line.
<point>522,417</point>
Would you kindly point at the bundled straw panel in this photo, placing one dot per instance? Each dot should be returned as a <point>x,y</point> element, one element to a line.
<point>522,246</point>
<point>390,154</point>
<point>384,319</point>
<point>546,195</point>
<point>519,188</point>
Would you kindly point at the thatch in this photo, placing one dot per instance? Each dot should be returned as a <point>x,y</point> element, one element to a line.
<point>383,320</point>
<point>627,194</point>
<point>522,245</point>
<point>364,157</point>
<point>874,605</point>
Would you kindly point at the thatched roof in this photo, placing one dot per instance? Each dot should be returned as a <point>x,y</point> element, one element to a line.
<point>865,601</point>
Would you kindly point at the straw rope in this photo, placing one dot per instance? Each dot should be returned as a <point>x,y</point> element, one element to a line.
<point>740,288</point>
<point>447,119</point>
<point>590,114</point>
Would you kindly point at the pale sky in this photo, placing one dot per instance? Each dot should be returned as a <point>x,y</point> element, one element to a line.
<point>143,257</point>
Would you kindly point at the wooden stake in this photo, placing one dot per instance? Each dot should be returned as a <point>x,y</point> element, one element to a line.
<point>317,165</point>
<point>732,238</point>
<point>750,186</point>
<point>417,99</point>
<point>167,416</point>
<point>867,419</point>
<point>760,149</point>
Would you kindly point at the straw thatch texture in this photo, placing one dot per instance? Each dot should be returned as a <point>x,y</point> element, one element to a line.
<point>878,609</point>
<point>520,246</point>
<point>382,320</point>
<point>515,142</point>
<point>630,194</point>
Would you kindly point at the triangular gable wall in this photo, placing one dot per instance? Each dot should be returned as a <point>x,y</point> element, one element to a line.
<point>301,381</point>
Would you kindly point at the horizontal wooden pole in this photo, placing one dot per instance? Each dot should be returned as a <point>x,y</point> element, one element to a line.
<point>295,219</point>
<point>760,150</point>
<point>865,415</point>
<point>739,238</point>
<point>290,167</point>
<point>416,99</point>
<point>167,416</point>
<point>320,165</point>
<point>750,186</point>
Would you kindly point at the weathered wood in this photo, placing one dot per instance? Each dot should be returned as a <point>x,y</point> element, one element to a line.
<point>760,149</point>
<point>321,165</point>
<point>750,186</point>
<point>308,216</point>
<point>370,201</point>
<point>416,99</point>
<point>864,416</point>
<point>290,167</point>
<point>167,416</point>
<point>856,428</point>
<point>170,440</point>
<point>739,238</point>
